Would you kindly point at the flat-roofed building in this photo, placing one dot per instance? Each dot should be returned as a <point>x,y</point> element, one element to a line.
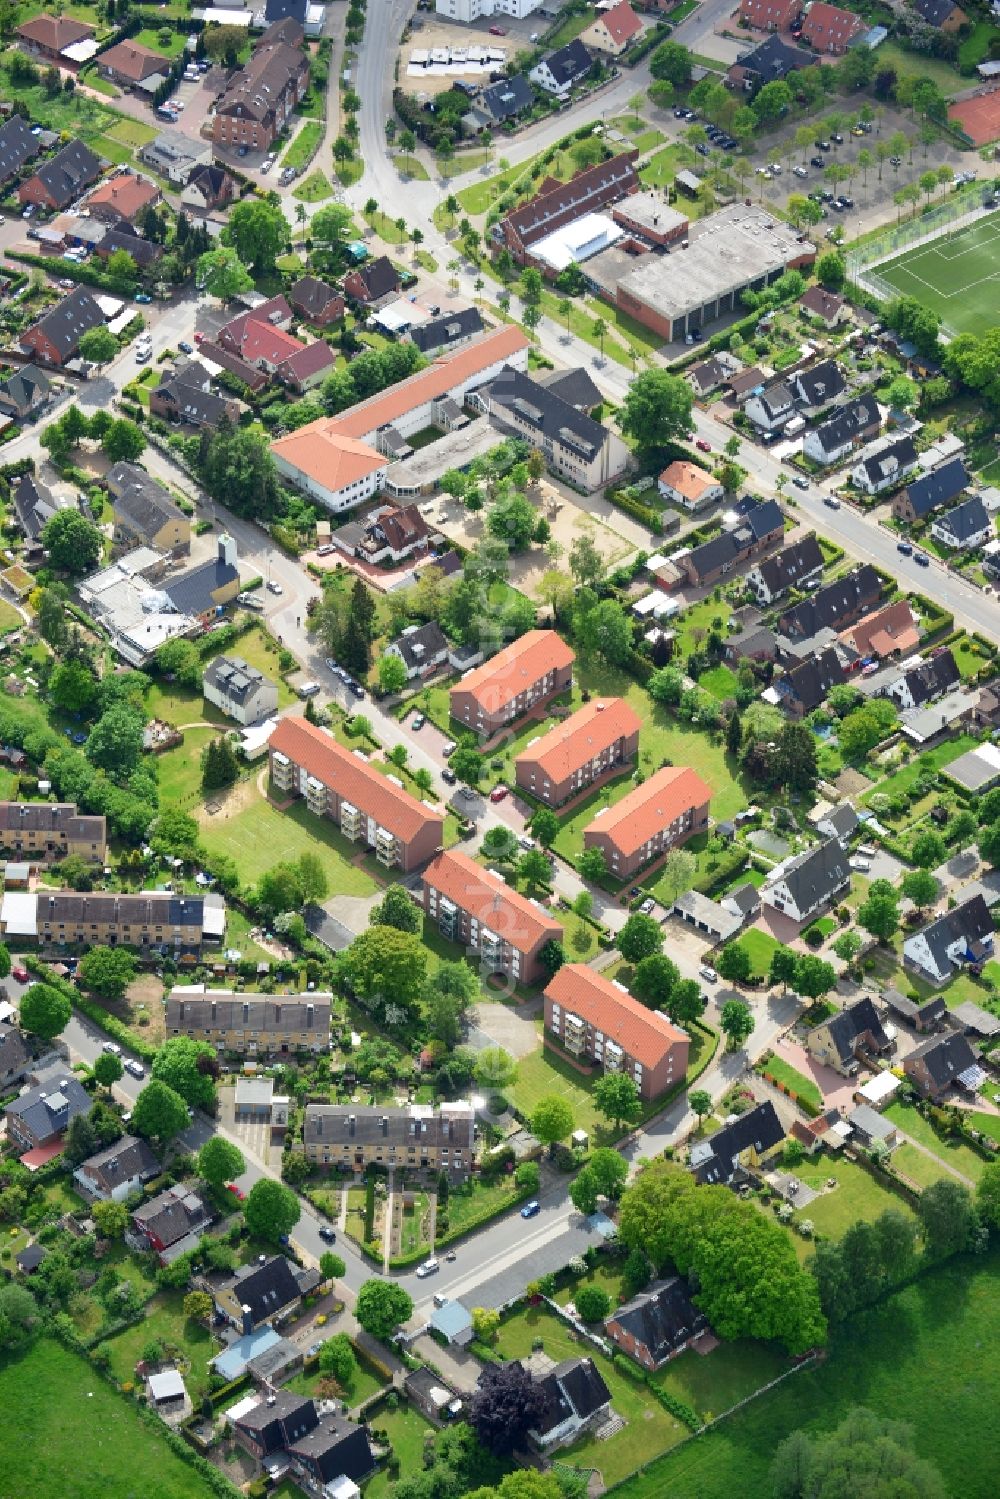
<point>597,1021</point>
<point>536,667</point>
<point>598,737</point>
<point>418,1136</point>
<point>251,1024</point>
<point>662,813</point>
<point>368,807</point>
<point>45,832</point>
<point>475,908</point>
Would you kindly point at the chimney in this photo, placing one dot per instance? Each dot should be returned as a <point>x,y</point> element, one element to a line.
<point>227,549</point>
<point>246,1320</point>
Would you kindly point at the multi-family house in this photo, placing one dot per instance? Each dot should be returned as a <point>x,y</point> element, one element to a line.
<point>940,487</point>
<point>41,1115</point>
<point>689,486</point>
<point>756,531</point>
<point>416,1137</point>
<point>575,446</point>
<point>852,424</point>
<point>612,30</point>
<point>598,1024</point>
<point>725,1158</point>
<point>817,386</point>
<point>657,1324</point>
<point>421,648</point>
<point>369,808</point>
<point>769,15</point>
<point>792,567</point>
<point>927,680</point>
<point>853,1035</point>
<point>239,690</point>
<point>835,606</point>
<point>259,99</point>
<point>251,1025</point>
<point>115,1173</point>
<point>830,29</point>
<point>145,513</point>
<point>803,886</point>
<point>62,178</point>
<point>475,908</point>
<point>885,466</point>
<point>562,70</point>
<point>941,1063</point>
<point>965,528</point>
<point>47,832</point>
<point>55,338</point>
<point>150,920</point>
<point>960,938</point>
<point>185,395</point>
<point>535,668</point>
<point>890,631</point>
<point>658,815</point>
<point>600,737</point>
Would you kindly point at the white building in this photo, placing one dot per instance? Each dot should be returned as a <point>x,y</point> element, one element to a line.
<point>803,886</point>
<point>468,11</point>
<point>239,690</point>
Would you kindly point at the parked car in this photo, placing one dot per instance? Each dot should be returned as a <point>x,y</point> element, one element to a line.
<point>135,1068</point>
<point>921,559</point>
<point>143,298</point>
<point>703,446</point>
<point>448,748</point>
<point>498,793</point>
<point>324,551</point>
<point>448,776</point>
<point>906,547</point>
<point>708,974</point>
<point>525,842</point>
<point>20,973</point>
<point>822,145</point>
<point>531,1209</point>
<point>831,502</point>
<point>497,31</point>
<point>799,172</point>
<point>273,586</point>
<point>800,481</point>
<point>816,161</point>
<point>327,1234</point>
<point>837,138</point>
<point>112,1048</point>
<point>429,1267</point>
<point>646,909</point>
<point>417,721</point>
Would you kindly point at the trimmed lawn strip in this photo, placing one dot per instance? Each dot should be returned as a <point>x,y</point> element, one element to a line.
<point>406,1430</point>
<point>313,189</point>
<point>802,1087</point>
<point>260,836</point>
<point>857,1196</point>
<point>760,945</point>
<point>959,1156</point>
<point>933,759</point>
<point>361,1387</point>
<point>303,147</point>
<point>921,1170</point>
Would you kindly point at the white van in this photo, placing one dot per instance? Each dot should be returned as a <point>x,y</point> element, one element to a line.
<point>308,689</point>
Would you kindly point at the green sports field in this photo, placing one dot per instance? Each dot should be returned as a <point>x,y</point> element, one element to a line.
<point>957,275</point>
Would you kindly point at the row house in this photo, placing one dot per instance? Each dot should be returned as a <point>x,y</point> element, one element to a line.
<point>475,908</point>
<point>416,1137</point>
<point>598,1024</point>
<point>598,738</point>
<point>331,1455</point>
<point>535,668</point>
<point>55,338</point>
<point>829,29</point>
<point>660,814</point>
<point>658,1323</point>
<point>150,920</point>
<point>756,531</point>
<point>833,607</point>
<point>62,178</point>
<point>890,631</point>
<point>252,1025</point>
<point>47,832</point>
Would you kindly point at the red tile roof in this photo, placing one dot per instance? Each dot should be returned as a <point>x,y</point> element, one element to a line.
<point>264,341</point>
<point>887,630</point>
<point>622,23</point>
<point>308,360</point>
<point>353,778</point>
<point>127,194</point>
<point>827,25</point>
<point>581,737</point>
<point>644,1034</point>
<point>516,668</point>
<point>643,812</point>
<point>494,904</point>
<point>688,479</point>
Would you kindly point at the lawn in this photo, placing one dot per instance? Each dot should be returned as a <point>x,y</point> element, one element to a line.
<point>406,1430</point>
<point>475,1200</point>
<point>131,132</point>
<point>720,682</point>
<point>933,759</point>
<point>97,1448</point>
<point>361,1387</point>
<point>953,275</point>
<point>172,47</point>
<point>314,188</point>
<point>664,166</point>
<point>856,1197</point>
<point>931,1352</point>
<point>803,1087</point>
<point>412,167</point>
<point>760,945</point>
<point>303,147</point>
<point>569,29</point>
<point>954,1153</point>
<point>178,770</point>
<point>260,836</point>
<point>9,618</point>
<point>919,1169</point>
<point>478,196</point>
<point>166,1323</point>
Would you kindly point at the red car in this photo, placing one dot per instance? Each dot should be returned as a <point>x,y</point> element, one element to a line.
<point>199,338</point>
<point>21,974</point>
<point>498,793</point>
<point>703,446</point>
<point>240,1196</point>
<point>497,31</point>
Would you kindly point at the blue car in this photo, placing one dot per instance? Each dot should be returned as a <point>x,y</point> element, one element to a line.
<point>530,1209</point>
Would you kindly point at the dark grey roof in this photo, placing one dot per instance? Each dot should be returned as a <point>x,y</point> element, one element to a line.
<point>945,1057</point>
<point>120,1162</point>
<point>334,1447</point>
<point>67,322</point>
<point>926,1012</point>
<point>971,922</point>
<point>509,97</point>
<point>815,875</point>
<point>380,277</point>
<point>279,1420</point>
<point>788,567</point>
<point>191,593</point>
<point>858,1026</point>
<point>973,1019</point>
<point>811,680</point>
<point>847,421</point>
<point>144,252</point>
<point>574,386</point>
<point>34,504</point>
<point>25,387</point>
<point>71,170</point>
<point>716,1160</point>
<point>186,390</point>
<point>15,1054</point>
<point>835,605</point>
<point>343,1124</point>
<point>569,63</point>
<point>966,520</point>
<point>31,1256</point>
<point>745,897</point>
<point>760,521</point>
<point>49,1107</point>
<point>442,331</point>
<point>172,1214</point>
<point>269,1015</point>
<point>932,677</point>
<point>152,907</point>
<point>311,295</point>
<point>551,418</point>
<point>234,677</point>
<point>420,646</point>
<point>757,638</point>
<point>140,500</point>
<point>573,1388</point>
<point>843,819</point>
<point>662,1319</point>
<point>821,384</point>
<point>210,179</point>
<point>266,1289</point>
<point>937,488</point>
<point>776,399</point>
<point>934,12</point>
<point>774,59</point>
<point>285,10</point>
<point>901,451</point>
<point>17,145</point>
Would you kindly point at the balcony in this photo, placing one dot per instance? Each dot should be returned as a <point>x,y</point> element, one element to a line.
<point>448,925</point>
<point>316,796</point>
<point>351,822</point>
<point>386,851</point>
<point>282,772</point>
<point>614,1057</point>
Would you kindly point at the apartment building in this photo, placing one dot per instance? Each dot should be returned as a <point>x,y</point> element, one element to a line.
<point>250,1024</point>
<point>151,920</point>
<point>145,513</point>
<point>473,907</point>
<point>418,1136</point>
<point>597,1022</point>
<point>523,675</point>
<point>46,832</point>
<point>239,690</point>
<point>259,99</point>
<point>369,808</point>
<point>576,448</point>
<point>662,813</point>
<point>597,738</point>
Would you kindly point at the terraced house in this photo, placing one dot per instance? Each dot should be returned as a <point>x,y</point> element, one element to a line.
<point>659,815</point>
<point>476,908</point>
<point>368,807</point>
<point>417,1136</point>
<point>250,1024</point>
<point>153,919</point>
<point>51,831</point>
<point>537,667</point>
<point>597,738</point>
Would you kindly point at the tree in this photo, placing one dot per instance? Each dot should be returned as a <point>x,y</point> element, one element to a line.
<point>485,1324</point>
<point>45,1011</point>
<point>988,1194</point>
<point>928,849</point>
<point>879,914</point>
<point>396,909</point>
<point>865,1454</point>
<point>592,864</point>
<point>19,1316</point>
<point>331,1266</point>
<point>198,1306</point>
<point>813,976</point>
<point>219,1161</point>
<point>592,1304</point>
<point>920,886</point>
<point>989,844</point>
<point>617,1097</point>
<point>947,1218</point>
<point>544,826</point>
<point>337,1359</point>
<point>280,889</point>
<point>527,1176</point>
<point>656,409</point>
<point>507,1403</point>
<point>271,1210</point>
<point>781,969</point>
<point>677,874</point>
<point>381,1306</point>
<point>74,544</point>
<point>737,1022</point>
<point>551,1120</point>
<point>391,673</point>
<point>159,1113</point>
<point>533,868</point>
<point>467,763</point>
<point>222,274</point>
<point>72,687</point>
<point>585,562</point>
<point>654,980</point>
<point>500,845</point>
<point>495,1069</point>
<point>831,270</point>
<point>686,1003</point>
<point>735,964</point>
<point>639,938</point>
<point>672,63</point>
<point>123,441</point>
<point>512,519</point>
<point>330,224</point>
<point>108,1069</point>
<point>115,742</point>
<point>98,345</point>
<point>108,971</point>
<point>386,966</point>
<point>700,1103</point>
<point>258,232</point>
<point>847,946</point>
<point>180,1063</point>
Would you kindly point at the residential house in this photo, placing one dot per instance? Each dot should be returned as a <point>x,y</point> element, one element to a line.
<point>660,814</point>
<point>562,70</point>
<point>239,690</point>
<point>175,156</point>
<point>131,65</point>
<point>151,920</point>
<point>889,631</point>
<point>834,606</point>
<point>524,675</point>
<point>274,1423</point>
<point>943,15</point>
<point>450,331</point>
<point>756,532</point>
<point>817,387</point>
<point>507,99</point>
<point>369,808</point>
<point>792,567</point>
<point>34,504</point>
<point>806,686</point>
<point>474,907</point>
<point>600,737</point>
<point>726,1156</point>
<point>145,252</point>
<point>115,1173</point>
<point>769,15</point>
<point>252,1025</point>
<point>559,203</point>
<point>612,30</point>
<point>884,466</point>
<point>803,886</point>
<point>943,1062</point>
<point>48,832</point>
<point>961,938</point>
<point>852,424</point>
<point>927,680</point>
<point>204,591</point>
<point>829,307</point>
<point>15,1057</point>
<point>373,284</point>
<point>940,487</point>
<point>768,62</point>
<point>576,1400</point>
<point>39,1117</point>
<point>55,338</point>
<point>830,29</point>
<point>712,374</point>
<point>259,1294</point>
<point>966,528</point>
<point>48,37</point>
<point>421,648</point>
<point>29,1258</point>
<point>25,393</point>
<point>123,198</point>
<point>576,448</point>
<point>390,535</point>
<point>17,147</point>
<point>316,302</point>
<point>208,188</point>
<point>334,1454</point>
<point>355,1136</point>
<point>754,643</point>
<point>689,486</point>
<point>145,513</point>
<point>259,99</point>
<point>600,1026</point>
<point>184,395</point>
<point>772,408</point>
<point>853,1035</point>
<point>840,822</point>
<point>657,1324</point>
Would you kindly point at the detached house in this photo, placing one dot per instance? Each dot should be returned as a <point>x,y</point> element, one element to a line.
<point>115,1173</point>
<point>48,37</point>
<point>725,1157</point>
<point>15,1057</point>
<point>421,648</point>
<point>769,15</point>
<point>477,909</point>
<point>131,65</point>
<point>919,499</point>
<point>40,1117</point>
<point>965,528</point>
<point>943,15</point>
<point>259,1294</point>
<point>805,885</point>
<point>929,679</point>
<point>855,422</point>
<point>599,1025</point>
<point>789,568</point>
<point>658,815</point>
<point>316,302</point>
<point>689,486</point>
<point>240,691</point>
<point>806,686</point>
<point>884,467</point>
<point>657,1324</point>
<point>208,188</point>
<point>613,30</point>
<point>562,70</point>
<point>771,408</point>
<point>600,737</point>
<point>576,1398</point>
<point>522,676</point>
<point>172,1222</point>
<point>374,284</point>
<point>122,199</point>
<point>827,306</point>
<point>17,146</point>
<point>817,387</point>
<point>853,1035</point>
<point>450,331</point>
<point>25,393</point>
<point>961,938</point>
<point>942,1062</point>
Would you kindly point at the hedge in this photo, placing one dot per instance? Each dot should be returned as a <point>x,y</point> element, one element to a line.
<point>645,514</point>
<point>486,1216</point>
<point>73,272</point>
<point>115,1028</point>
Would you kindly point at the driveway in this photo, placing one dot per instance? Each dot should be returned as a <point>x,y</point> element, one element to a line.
<point>837,1091</point>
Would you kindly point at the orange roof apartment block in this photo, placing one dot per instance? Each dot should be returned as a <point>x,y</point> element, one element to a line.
<point>830,29</point>
<point>597,1021</point>
<point>769,15</point>
<point>536,667</point>
<point>888,632</point>
<point>583,748</point>
<point>661,814</point>
<point>474,907</point>
<point>367,806</point>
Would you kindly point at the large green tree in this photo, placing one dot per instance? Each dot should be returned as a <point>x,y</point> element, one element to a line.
<point>381,1306</point>
<point>45,1011</point>
<point>258,232</point>
<point>159,1113</point>
<point>865,1454</point>
<point>551,1119</point>
<point>108,971</point>
<point>72,542</point>
<point>617,1097</point>
<point>271,1210</point>
<point>181,1064</point>
<point>219,1161</point>
<point>222,273</point>
<point>640,938</point>
<point>115,742</point>
<point>657,409</point>
<point>386,966</point>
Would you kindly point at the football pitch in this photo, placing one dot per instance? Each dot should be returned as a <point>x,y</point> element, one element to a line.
<point>957,275</point>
